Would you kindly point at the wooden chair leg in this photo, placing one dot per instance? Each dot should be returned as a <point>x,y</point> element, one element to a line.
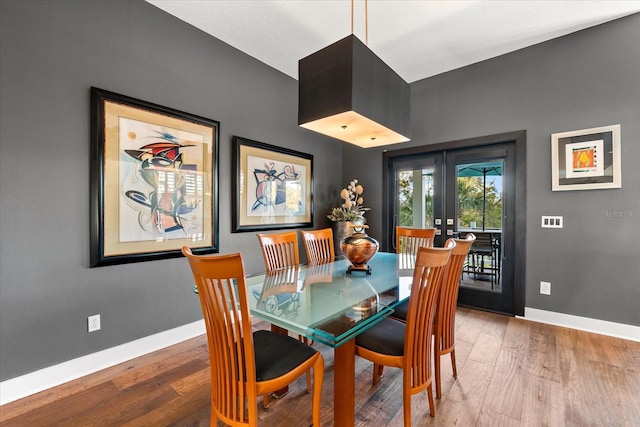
<point>453,363</point>
<point>432,407</point>
<point>374,375</point>
<point>377,373</point>
<point>406,402</point>
<point>436,368</point>
<point>265,401</point>
<point>318,374</point>
<point>305,340</point>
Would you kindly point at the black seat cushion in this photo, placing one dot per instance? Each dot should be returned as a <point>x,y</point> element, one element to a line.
<point>277,354</point>
<point>386,337</point>
<point>401,310</point>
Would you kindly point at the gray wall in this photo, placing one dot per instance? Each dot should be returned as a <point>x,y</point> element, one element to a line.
<point>587,79</point>
<point>52,52</point>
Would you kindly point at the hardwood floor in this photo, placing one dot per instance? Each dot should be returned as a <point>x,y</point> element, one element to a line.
<point>511,372</point>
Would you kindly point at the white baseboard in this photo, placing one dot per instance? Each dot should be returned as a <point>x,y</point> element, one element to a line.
<point>619,330</point>
<point>34,382</point>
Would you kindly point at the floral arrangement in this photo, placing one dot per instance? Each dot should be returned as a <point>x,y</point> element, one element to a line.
<point>351,209</point>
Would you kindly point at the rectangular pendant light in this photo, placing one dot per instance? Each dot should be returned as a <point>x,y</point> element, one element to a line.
<point>347,92</point>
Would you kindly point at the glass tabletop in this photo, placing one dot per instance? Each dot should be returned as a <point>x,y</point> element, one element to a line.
<point>325,303</point>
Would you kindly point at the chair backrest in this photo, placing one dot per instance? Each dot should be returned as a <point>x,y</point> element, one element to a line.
<point>448,298</point>
<point>408,240</point>
<point>223,297</point>
<point>279,250</point>
<point>483,240</point>
<point>427,279</point>
<point>319,245</point>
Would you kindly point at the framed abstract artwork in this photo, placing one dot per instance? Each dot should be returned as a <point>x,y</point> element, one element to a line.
<point>273,187</point>
<point>154,181</point>
<point>587,159</point>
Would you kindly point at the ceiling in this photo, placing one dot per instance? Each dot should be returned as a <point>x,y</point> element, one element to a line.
<point>416,38</point>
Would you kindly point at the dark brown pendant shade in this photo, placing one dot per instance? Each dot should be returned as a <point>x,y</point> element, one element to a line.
<point>346,92</point>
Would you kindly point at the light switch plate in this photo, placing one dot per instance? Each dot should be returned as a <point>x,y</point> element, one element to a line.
<point>552,222</point>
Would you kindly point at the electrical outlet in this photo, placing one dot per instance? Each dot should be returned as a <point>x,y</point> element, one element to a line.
<point>545,288</point>
<point>93,323</point>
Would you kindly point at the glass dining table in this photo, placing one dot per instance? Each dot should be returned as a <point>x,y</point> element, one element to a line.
<point>328,305</point>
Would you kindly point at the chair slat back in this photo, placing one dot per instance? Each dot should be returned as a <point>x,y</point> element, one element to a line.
<point>280,281</point>
<point>427,279</point>
<point>319,245</point>
<point>223,297</point>
<point>408,240</point>
<point>482,240</point>
<point>279,250</point>
<point>448,298</point>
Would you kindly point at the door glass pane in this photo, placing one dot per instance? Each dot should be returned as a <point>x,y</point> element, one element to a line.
<point>412,210</point>
<point>479,209</point>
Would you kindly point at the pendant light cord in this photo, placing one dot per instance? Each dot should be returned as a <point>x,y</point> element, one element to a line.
<point>352,16</point>
<point>366,21</point>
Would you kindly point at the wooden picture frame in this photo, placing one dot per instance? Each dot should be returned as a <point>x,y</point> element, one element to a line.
<point>154,181</point>
<point>587,159</point>
<point>273,187</point>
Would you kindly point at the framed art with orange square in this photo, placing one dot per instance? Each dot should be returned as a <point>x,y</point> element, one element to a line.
<point>587,159</point>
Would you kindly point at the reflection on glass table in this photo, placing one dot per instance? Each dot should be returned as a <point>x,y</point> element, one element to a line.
<point>332,307</point>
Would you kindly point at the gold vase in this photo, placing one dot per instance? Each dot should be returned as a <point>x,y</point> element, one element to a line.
<point>359,248</point>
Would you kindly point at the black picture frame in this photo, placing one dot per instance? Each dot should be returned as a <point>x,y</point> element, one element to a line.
<point>154,181</point>
<point>272,187</point>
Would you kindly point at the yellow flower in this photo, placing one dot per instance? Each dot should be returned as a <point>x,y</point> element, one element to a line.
<point>351,208</point>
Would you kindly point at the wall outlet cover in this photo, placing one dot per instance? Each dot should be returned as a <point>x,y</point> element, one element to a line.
<point>93,323</point>
<point>545,288</point>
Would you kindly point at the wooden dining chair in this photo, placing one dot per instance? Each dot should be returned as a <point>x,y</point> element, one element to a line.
<point>245,364</point>
<point>444,330</point>
<point>319,245</point>
<point>279,250</point>
<point>408,345</point>
<point>408,239</point>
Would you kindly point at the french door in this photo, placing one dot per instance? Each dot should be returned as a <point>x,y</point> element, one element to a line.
<point>463,190</point>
